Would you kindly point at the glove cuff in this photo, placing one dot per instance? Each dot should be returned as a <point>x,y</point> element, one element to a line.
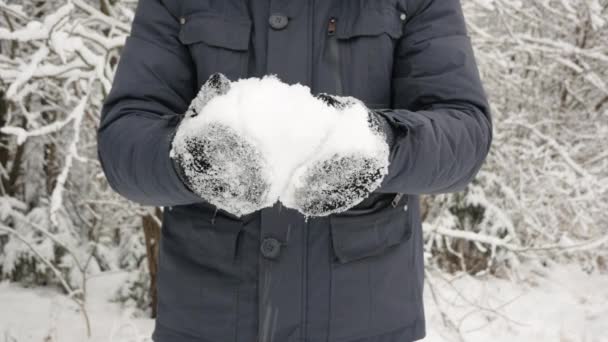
<point>179,170</point>
<point>384,127</point>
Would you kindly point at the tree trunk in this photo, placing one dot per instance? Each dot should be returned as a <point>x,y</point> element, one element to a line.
<point>152,236</point>
<point>10,178</point>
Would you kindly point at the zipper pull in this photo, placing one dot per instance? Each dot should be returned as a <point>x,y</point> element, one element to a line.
<point>331,27</point>
<point>396,200</point>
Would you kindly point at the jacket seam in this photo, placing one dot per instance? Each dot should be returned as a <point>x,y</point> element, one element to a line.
<point>158,45</point>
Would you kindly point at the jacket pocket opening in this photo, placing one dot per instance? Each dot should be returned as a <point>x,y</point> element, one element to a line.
<point>371,233</point>
<point>372,22</point>
<point>216,30</point>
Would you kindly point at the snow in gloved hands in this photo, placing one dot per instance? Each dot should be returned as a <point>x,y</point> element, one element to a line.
<point>245,145</point>
<point>350,163</point>
<point>219,163</point>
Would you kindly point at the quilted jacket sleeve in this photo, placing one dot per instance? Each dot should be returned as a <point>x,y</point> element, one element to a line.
<point>440,114</point>
<point>151,89</point>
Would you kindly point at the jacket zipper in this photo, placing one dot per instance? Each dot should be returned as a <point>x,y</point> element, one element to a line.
<point>333,55</point>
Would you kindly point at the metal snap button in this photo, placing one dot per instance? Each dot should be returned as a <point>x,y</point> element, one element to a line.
<point>403,16</point>
<point>182,20</point>
<point>278,21</point>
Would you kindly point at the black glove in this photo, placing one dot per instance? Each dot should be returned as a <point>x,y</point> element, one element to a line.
<point>216,162</point>
<point>376,121</point>
<point>338,180</point>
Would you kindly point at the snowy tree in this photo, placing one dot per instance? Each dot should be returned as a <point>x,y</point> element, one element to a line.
<point>543,191</point>
<point>60,221</point>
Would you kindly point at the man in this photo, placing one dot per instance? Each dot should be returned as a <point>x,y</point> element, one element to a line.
<point>273,274</point>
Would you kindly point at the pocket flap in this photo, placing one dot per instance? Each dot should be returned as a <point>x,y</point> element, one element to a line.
<point>204,234</point>
<point>216,30</point>
<point>370,233</point>
<point>371,22</point>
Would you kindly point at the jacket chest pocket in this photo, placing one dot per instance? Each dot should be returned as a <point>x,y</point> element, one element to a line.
<point>217,43</point>
<point>373,289</point>
<point>366,37</point>
<point>199,273</point>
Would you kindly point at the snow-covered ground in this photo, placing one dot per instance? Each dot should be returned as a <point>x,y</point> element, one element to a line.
<point>560,303</point>
<point>45,315</point>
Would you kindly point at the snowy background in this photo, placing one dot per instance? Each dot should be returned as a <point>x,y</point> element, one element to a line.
<point>522,254</point>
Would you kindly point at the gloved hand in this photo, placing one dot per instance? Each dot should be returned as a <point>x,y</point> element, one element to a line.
<point>351,163</point>
<point>244,145</point>
<point>217,162</point>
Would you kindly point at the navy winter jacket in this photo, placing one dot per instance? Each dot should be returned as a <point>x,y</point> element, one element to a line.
<point>273,276</point>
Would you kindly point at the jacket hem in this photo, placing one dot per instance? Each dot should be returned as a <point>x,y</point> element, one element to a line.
<point>413,332</point>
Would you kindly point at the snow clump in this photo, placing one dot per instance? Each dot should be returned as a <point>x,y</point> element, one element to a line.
<point>247,144</point>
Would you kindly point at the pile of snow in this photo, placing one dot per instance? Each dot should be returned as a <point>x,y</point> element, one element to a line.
<point>265,141</point>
